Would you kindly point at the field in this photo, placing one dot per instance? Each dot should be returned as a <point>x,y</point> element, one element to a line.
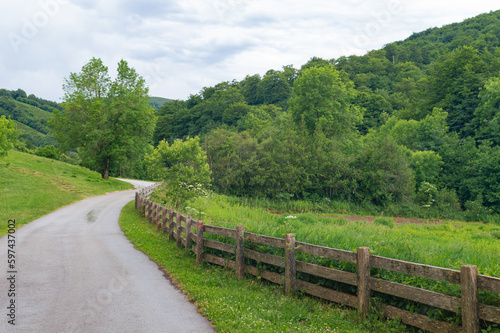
<point>32,186</point>
<point>448,244</point>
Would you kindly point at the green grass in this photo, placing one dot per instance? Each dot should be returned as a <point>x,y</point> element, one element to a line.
<point>242,305</point>
<point>449,244</point>
<point>33,186</point>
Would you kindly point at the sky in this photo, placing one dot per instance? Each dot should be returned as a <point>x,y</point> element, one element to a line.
<point>181,46</point>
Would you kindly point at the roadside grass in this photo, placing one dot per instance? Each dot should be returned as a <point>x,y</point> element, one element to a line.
<point>242,305</point>
<point>33,186</point>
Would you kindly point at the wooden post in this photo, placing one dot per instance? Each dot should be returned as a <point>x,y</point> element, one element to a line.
<point>199,243</point>
<point>171,225</point>
<point>153,213</point>
<point>179,233</point>
<point>159,219</point>
<point>188,232</point>
<point>290,264</point>
<point>363,281</point>
<point>240,251</point>
<point>146,209</point>
<point>136,200</point>
<point>470,299</point>
<point>164,219</point>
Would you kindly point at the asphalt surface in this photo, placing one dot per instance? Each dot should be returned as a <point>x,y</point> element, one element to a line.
<point>75,271</point>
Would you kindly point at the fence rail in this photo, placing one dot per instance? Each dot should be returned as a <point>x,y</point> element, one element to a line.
<point>191,234</point>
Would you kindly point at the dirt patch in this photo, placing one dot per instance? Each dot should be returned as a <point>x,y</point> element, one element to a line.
<point>401,220</point>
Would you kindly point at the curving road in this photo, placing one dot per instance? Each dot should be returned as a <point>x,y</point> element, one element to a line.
<point>75,271</point>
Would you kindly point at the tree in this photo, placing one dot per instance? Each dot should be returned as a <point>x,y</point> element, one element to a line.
<point>488,113</point>
<point>274,88</point>
<point>454,85</point>
<point>106,120</point>
<point>183,169</point>
<point>323,99</point>
<point>8,135</point>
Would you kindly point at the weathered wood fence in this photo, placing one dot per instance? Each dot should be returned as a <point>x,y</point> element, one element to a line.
<point>190,234</point>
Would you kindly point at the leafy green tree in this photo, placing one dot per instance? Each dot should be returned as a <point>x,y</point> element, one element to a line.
<point>183,169</point>
<point>172,122</point>
<point>233,160</point>
<point>426,134</point>
<point>8,135</point>
<point>454,85</point>
<point>106,120</point>
<point>322,99</point>
<point>249,89</point>
<point>386,174</point>
<point>427,166</point>
<point>488,113</point>
<point>482,176</point>
<point>274,88</point>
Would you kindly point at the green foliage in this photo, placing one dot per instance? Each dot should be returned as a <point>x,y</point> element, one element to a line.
<point>108,121</point>
<point>48,152</point>
<point>385,221</point>
<point>8,135</point>
<point>183,169</point>
<point>426,165</point>
<point>274,88</point>
<point>482,177</point>
<point>487,115</point>
<point>386,173</point>
<point>322,100</point>
<point>455,82</point>
<point>427,194</point>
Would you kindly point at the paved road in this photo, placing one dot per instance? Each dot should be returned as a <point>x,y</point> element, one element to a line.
<point>77,272</point>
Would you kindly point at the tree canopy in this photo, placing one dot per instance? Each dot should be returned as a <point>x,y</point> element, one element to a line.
<point>107,120</point>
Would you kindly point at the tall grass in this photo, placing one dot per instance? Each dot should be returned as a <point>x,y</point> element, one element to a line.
<point>448,245</point>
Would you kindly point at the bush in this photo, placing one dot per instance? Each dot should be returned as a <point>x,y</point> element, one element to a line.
<point>385,221</point>
<point>48,152</point>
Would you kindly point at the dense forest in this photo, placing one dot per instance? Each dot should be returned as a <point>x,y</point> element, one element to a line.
<point>415,124</point>
<point>417,121</point>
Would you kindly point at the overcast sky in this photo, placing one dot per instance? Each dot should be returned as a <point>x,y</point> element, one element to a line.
<point>181,46</point>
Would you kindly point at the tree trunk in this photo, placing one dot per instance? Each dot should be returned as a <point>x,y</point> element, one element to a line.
<point>105,171</point>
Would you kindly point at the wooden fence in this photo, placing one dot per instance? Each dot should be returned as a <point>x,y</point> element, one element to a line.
<point>190,234</point>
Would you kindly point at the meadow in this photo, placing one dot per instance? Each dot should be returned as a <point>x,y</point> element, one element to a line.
<point>33,186</point>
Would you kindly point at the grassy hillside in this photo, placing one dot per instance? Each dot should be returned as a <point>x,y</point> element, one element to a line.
<point>32,186</point>
<point>158,102</point>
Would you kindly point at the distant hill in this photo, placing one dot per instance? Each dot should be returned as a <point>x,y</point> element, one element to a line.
<point>31,115</point>
<point>157,102</point>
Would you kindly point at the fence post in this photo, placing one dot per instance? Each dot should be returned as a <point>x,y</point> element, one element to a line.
<point>159,218</point>
<point>171,225</point>
<point>179,232</point>
<point>136,200</point>
<point>188,232</point>
<point>199,243</point>
<point>153,214</point>
<point>363,281</point>
<point>290,264</point>
<point>240,251</point>
<point>146,209</point>
<point>164,227</point>
<point>470,299</point>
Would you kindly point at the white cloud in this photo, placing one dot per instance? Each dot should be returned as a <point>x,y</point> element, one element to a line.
<point>181,46</point>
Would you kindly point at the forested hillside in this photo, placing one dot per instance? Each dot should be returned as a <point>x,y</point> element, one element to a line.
<point>417,121</point>
<point>31,115</point>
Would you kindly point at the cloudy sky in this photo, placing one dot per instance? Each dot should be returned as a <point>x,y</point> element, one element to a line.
<point>181,46</point>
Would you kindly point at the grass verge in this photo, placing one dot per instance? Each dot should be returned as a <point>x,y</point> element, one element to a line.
<point>33,186</point>
<point>242,305</point>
